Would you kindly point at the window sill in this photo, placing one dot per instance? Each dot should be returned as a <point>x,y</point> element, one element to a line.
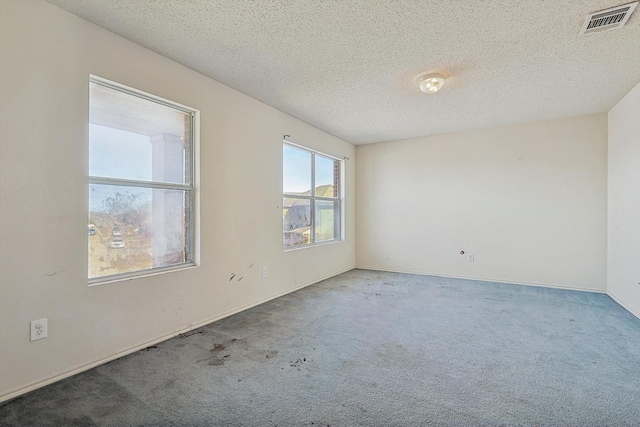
<point>313,245</point>
<point>135,275</point>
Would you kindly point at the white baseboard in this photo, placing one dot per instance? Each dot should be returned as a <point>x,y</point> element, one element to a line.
<point>38,384</point>
<point>485,279</point>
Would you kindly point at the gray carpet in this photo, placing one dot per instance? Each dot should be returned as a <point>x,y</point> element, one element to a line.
<point>373,349</point>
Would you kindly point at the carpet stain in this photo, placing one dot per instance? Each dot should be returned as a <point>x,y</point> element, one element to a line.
<point>217,361</point>
<point>297,363</point>
<point>271,354</point>
<point>188,334</point>
<point>371,294</point>
<point>224,345</point>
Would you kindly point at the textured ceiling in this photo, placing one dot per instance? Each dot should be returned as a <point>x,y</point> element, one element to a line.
<point>349,67</point>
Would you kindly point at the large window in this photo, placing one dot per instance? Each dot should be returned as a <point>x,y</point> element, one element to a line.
<point>141,183</point>
<point>312,202</point>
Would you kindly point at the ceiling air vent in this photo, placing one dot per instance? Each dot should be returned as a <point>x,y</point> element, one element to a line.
<point>608,19</point>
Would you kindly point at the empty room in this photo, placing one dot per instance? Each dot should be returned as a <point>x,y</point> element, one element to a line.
<point>319,213</point>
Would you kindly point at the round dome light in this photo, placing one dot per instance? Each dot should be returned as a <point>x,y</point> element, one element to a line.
<point>431,83</point>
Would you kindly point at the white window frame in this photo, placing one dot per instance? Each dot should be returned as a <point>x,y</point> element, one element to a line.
<point>312,198</point>
<point>193,234</point>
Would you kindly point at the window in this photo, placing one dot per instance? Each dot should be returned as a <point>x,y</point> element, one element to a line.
<point>141,182</point>
<point>312,202</point>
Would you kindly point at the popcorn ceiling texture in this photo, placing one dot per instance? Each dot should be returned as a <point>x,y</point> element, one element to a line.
<point>350,67</point>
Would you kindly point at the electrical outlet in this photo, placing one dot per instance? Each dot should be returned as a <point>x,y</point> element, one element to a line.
<point>470,257</point>
<point>265,272</point>
<point>39,329</point>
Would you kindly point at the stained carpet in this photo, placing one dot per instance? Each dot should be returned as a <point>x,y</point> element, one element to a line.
<point>369,348</point>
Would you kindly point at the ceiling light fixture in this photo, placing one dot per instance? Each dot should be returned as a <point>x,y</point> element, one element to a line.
<point>431,83</point>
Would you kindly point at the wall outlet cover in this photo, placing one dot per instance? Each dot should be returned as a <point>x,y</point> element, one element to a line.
<point>39,329</point>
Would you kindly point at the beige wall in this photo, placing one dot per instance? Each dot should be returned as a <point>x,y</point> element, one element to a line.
<point>528,200</point>
<point>46,56</point>
<point>623,270</point>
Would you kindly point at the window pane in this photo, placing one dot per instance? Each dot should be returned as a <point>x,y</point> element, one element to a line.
<point>296,221</point>
<point>115,153</point>
<point>296,171</point>
<point>327,176</point>
<point>134,138</point>
<point>327,220</point>
<point>134,228</point>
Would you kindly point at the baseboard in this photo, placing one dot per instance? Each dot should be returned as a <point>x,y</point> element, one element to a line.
<point>623,305</point>
<point>484,279</point>
<point>38,384</point>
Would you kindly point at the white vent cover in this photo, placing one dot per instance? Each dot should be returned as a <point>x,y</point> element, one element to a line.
<point>608,19</point>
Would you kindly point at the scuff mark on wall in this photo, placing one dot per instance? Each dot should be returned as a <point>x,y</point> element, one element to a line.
<point>53,274</point>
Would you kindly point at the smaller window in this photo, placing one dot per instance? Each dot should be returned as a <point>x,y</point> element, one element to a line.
<point>312,202</point>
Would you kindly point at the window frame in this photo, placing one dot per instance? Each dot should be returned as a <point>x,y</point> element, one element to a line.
<point>191,190</point>
<point>313,198</point>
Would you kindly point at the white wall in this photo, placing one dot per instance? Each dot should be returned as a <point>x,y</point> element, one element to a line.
<point>46,56</point>
<point>528,200</point>
<point>623,269</point>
